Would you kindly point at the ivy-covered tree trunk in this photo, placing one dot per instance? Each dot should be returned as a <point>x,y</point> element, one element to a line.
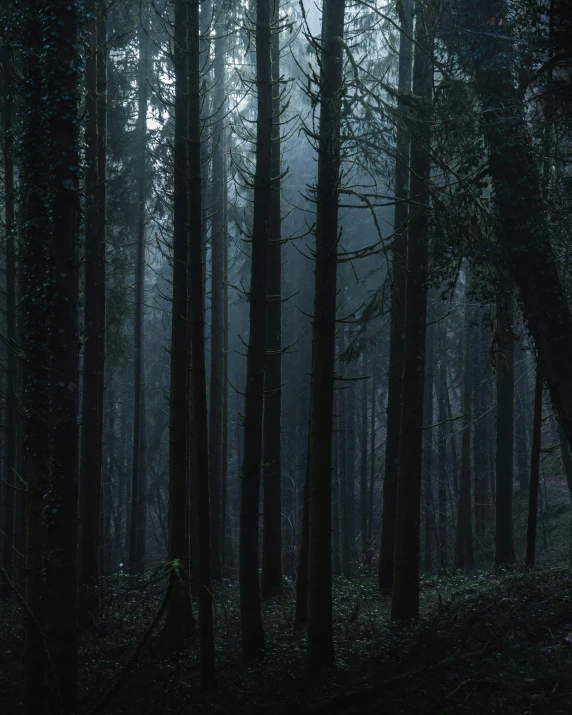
<point>524,233</point>
<point>138,474</point>
<point>250,606</point>
<point>405,602</point>
<point>320,611</point>
<point>179,621</point>
<point>398,288</point>
<point>271,584</point>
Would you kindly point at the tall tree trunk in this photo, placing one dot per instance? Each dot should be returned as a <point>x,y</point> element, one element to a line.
<point>301,611</point>
<point>463,556</point>
<point>90,466</point>
<point>504,543</point>
<point>524,233</point>
<point>179,621</point>
<point>217,385</point>
<point>443,433</point>
<point>372,446</point>
<point>428,450</point>
<point>534,472</point>
<point>226,533</point>
<point>9,473</point>
<point>481,447</point>
<point>198,366</point>
<point>363,466</point>
<point>343,467</point>
<point>138,480</point>
<point>320,612</point>
<point>397,326</point>
<point>36,344</point>
<point>102,56</point>
<point>566,458</point>
<point>271,584</point>
<point>405,602</point>
<point>520,426</point>
<point>62,92</point>
<point>250,607</point>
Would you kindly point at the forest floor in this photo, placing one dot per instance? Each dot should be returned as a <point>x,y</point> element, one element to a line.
<point>498,644</point>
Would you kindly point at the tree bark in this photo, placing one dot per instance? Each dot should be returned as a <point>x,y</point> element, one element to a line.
<point>320,612</point>
<point>405,602</point>
<point>343,467</point>
<point>217,385</point>
<point>443,433</point>
<point>271,584</point>
<point>363,455</point>
<point>62,92</point>
<point>250,607</point>
<point>90,464</point>
<point>463,557</point>
<point>534,472</point>
<point>196,315</point>
<point>36,343</point>
<point>398,294</point>
<point>524,235</point>
<point>429,516</point>
<point>11,414</point>
<point>179,620</point>
<point>504,542</point>
<point>372,446</point>
<point>138,480</point>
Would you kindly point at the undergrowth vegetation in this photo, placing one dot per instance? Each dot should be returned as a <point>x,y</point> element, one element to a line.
<point>500,643</point>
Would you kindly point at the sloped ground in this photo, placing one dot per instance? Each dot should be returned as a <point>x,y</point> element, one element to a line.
<point>484,644</point>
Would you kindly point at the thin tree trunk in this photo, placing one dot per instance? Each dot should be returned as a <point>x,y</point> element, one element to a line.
<point>226,534</point>
<point>301,612</point>
<point>363,469</point>
<point>504,543</point>
<point>399,281</point>
<point>534,472</point>
<point>138,481</point>
<point>343,467</point>
<point>217,384</point>
<point>443,432</point>
<point>428,450</point>
<point>198,366</point>
<point>271,584</point>
<point>463,557</point>
<point>250,607</point>
<point>481,445</point>
<point>405,602</point>
<point>320,611</point>
<point>179,620</point>
<point>372,446</point>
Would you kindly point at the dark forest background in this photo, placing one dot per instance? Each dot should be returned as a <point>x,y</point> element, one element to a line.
<point>286,361</point>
